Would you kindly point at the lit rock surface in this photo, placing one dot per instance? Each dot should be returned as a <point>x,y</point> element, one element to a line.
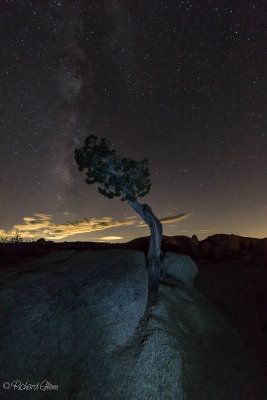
<point>64,311</point>
<point>78,320</point>
<point>181,267</point>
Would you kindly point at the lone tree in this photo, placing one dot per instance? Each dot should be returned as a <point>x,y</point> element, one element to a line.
<point>127,179</point>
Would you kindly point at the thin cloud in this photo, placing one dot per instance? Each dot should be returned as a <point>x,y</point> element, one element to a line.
<point>206,230</point>
<point>105,238</point>
<point>167,220</point>
<point>41,225</point>
<point>175,218</point>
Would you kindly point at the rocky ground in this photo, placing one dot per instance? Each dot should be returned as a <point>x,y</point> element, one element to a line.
<point>201,341</point>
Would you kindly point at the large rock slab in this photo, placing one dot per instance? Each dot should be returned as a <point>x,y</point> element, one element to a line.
<point>64,313</point>
<point>78,321</point>
<point>183,349</point>
<point>214,362</point>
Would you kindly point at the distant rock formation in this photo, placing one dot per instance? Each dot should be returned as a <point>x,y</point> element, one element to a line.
<point>181,244</point>
<point>218,247</point>
<point>221,246</point>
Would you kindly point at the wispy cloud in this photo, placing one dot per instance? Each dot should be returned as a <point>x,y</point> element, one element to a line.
<point>107,238</point>
<point>175,218</point>
<point>42,225</point>
<point>2,233</point>
<point>206,230</point>
<point>167,220</point>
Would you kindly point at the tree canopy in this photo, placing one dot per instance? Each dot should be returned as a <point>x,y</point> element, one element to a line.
<point>116,176</point>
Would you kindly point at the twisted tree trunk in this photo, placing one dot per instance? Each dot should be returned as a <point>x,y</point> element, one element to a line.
<point>154,251</point>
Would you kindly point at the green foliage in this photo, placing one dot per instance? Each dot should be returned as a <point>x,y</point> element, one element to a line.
<point>93,156</point>
<point>117,177</point>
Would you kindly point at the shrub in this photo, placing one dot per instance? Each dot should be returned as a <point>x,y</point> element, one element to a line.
<point>17,238</point>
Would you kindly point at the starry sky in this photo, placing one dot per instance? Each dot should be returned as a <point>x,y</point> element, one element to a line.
<point>178,82</point>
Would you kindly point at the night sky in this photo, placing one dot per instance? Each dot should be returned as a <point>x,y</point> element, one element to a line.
<point>178,82</point>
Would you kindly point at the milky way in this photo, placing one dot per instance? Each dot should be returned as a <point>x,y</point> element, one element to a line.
<point>178,82</point>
